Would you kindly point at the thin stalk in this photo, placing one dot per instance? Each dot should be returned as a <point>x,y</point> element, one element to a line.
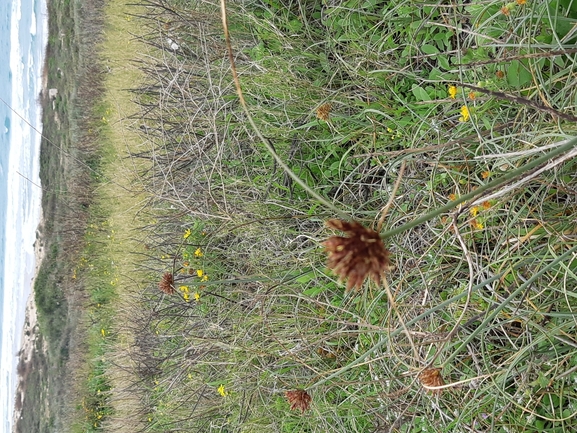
<point>503,304</point>
<point>480,190</point>
<point>266,142</point>
<point>384,340</point>
<point>442,306</point>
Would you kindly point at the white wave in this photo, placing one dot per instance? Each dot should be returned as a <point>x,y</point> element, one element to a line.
<point>33,24</point>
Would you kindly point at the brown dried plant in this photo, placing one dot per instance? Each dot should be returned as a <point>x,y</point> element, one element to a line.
<point>298,399</point>
<point>324,112</point>
<point>431,377</point>
<point>360,255</point>
<point>166,284</point>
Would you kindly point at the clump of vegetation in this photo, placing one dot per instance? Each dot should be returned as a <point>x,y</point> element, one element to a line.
<point>456,119</point>
<point>440,136</point>
<point>70,164</point>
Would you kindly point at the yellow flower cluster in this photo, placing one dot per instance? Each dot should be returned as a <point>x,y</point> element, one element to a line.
<point>186,294</point>
<point>465,114</point>
<point>222,391</point>
<point>474,212</point>
<point>200,273</point>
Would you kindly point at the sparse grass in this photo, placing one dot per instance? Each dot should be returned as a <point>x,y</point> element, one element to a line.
<point>345,93</point>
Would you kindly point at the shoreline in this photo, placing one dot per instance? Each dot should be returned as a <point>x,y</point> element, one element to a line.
<point>30,330</point>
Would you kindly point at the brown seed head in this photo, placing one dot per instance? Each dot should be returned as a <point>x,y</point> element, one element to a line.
<point>432,377</point>
<point>360,255</point>
<point>324,111</point>
<point>167,284</point>
<point>298,399</point>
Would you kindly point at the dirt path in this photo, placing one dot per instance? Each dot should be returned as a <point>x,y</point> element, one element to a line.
<point>124,195</point>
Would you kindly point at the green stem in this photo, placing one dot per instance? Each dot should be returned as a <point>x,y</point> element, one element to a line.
<point>442,306</point>
<point>498,309</point>
<point>384,340</point>
<point>480,190</point>
<point>264,141</point>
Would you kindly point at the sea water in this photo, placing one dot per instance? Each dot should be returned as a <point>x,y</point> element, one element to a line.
<point>23,36</point>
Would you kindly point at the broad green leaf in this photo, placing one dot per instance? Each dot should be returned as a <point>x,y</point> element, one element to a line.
<point>420,93</point>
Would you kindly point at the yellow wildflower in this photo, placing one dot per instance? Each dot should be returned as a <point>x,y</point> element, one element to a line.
<point>465,115</point>
<point>204,278</point>
<point>186,297</point>
<point>222,391</point>
<point>187,233</point>
<point>452,92</point>
<point>196,296</point>
<point>103,332</point>
<point>474,211</point>
<point>521,2</point>
<point>184,289</point>
<point>198,252</point>
<point>478,225</point>
<point>485,174</point>
<point>199,272</point>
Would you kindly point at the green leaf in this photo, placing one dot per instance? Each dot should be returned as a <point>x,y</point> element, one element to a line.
<point>518,75</point>
<point>305,277</point>
<point>420,93</point>
<point>314,291</point>
<point>429,49</point>
<point>444,62</point>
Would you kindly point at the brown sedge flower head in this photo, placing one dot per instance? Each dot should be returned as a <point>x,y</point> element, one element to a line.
<point>431,377</point>
<point>298,399</point>
<point>360,255</point>
<point>166,284</point>
<point>324,111</point>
